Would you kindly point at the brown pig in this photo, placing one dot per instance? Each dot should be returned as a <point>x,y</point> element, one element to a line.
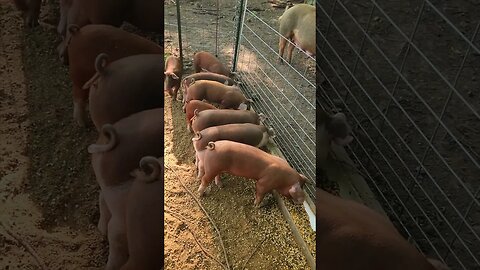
<point>205,76</point>
<point>210,118</point>
<point>115,156</point>
<point>145,14</point>
<point>205,61</point>
<point>297,24</point>
<point>144,217</point>
<point>196,105</point>
<point>86,44</point>
<point>30,11</point>
<point>173,75</point>
<point>269,171</point>
<point>351,236</point>
<point>229,97</point>
<point>247,133</point>
<point>124,87</point>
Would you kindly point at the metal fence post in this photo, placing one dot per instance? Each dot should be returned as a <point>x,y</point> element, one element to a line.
<point>241,19</point>
<point>179,26</point>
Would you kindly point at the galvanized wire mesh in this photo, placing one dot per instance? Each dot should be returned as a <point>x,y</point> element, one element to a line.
<point>285,93</point>
<point>405,75</point>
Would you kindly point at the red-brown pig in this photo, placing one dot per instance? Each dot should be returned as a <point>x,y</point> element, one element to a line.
<point>247,133</point>
<point>115,156</point>
<point>210,118</point>
<point>144,217</point>
<point>351,236</point>
<point>86,44</point>
<point>173,75</point>
<point>205,76</point>
<point>269,171</point>
<point>145,14</point>
<point>196,105</point>
<point>30,11</point>
<point>124,87</point>
<point>297,24</point>
<point>204,61</point>
<point>228,97</point>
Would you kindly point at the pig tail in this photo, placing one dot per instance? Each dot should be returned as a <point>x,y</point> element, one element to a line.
<point>211,146</point>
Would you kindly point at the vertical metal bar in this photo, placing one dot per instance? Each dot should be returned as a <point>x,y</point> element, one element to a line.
<point>216,33</point>
<point>179,26</point>
<point>241,19</point>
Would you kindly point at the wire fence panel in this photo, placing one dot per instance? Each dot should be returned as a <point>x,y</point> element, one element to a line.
<point>405,73</point>
<point>285,93</point>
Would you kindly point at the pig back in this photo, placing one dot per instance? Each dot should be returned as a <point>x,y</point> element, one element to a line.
<point>127,86</point>
<point>246,133</point>
<point>209,118</point>
<point>89,42</point>
<point>138,135</point>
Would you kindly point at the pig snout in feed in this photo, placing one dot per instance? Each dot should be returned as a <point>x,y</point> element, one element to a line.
<point>297,24</point>
<point>173,75</point>
<point>270,172</point>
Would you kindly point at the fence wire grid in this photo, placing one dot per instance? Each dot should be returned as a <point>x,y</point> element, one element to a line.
<point>285,93</point>
<point>405,74</point>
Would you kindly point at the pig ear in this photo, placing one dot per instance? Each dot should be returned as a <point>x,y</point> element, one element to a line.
<point>297,193</point>
<point>262,117</point>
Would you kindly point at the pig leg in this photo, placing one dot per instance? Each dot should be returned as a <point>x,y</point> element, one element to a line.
<point>218,181</point>
<point>281,48</point>
<point>259,193</point>
<point>206,179</point>
<point>105,215</point>
<point>289,52</point>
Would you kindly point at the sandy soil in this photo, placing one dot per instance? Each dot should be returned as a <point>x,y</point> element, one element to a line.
<point>33,211</point>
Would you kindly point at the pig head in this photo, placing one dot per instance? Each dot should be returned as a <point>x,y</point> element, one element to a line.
<point>173,75</point>
<point>369,241</point>
<point>331,128</point>
<point>270,172</point>
<point>30,10</point>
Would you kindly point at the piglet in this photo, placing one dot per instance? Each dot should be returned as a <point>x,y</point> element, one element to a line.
<point>210,118</point>
<point>229,97</point>
<point>270,172</point>
<point>205,76</point>
<point>204,61</point>
<point>173,75</point>
<point>297,24</point>
<point>144,216</point>
<point>195,105</point>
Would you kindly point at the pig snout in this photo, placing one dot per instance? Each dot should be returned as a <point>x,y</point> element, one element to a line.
<point>297,194</point>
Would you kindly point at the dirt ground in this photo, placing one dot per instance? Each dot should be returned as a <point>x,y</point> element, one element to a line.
<point>47,188</point>
<point>253,238</point>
